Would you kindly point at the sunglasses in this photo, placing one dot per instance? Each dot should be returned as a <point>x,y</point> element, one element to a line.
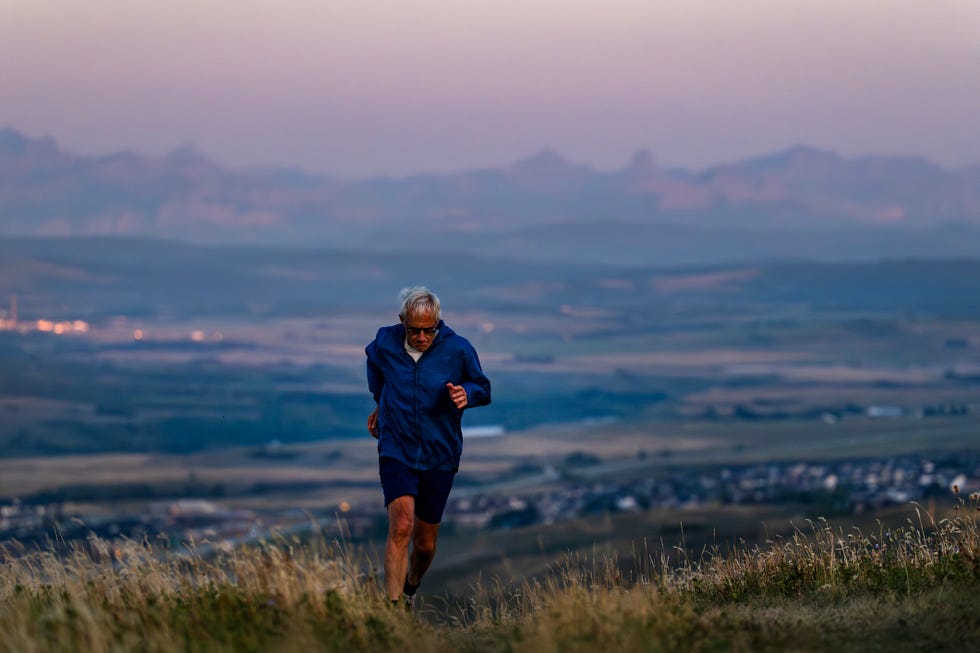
<point>417,331</point>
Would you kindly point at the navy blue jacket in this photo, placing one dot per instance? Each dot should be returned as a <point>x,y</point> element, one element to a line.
<point>418,423</point>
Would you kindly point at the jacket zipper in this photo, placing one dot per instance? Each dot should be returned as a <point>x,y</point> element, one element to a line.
<point>415,397</point>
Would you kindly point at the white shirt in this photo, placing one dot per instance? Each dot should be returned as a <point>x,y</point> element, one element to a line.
<point>413,352</point>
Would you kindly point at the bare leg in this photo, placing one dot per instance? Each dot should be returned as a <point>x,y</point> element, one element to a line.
<point>401,517</point>
<point>423,549</point>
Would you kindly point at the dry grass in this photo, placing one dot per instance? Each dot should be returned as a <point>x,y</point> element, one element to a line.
<point>821,588</point>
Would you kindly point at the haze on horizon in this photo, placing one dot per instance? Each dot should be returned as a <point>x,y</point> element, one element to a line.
<point>390,87</point>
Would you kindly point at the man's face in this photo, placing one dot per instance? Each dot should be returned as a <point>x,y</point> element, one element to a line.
<point>420,329</point>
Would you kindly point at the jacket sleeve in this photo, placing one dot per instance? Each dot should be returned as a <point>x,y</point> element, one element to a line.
<point>375,377</point>
<point>475,382</point>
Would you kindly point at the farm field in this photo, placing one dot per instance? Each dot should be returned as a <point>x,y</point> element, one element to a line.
<point>345,470</point>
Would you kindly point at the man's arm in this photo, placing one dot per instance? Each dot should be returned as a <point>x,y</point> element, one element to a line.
<point>474,382</point>
<point>376,381</point>
<point>375,377</point>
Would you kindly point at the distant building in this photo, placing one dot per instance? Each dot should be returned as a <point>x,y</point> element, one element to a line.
<point>885,411</point>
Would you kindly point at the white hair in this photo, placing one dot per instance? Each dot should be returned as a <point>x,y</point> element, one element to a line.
<point>419,299</point>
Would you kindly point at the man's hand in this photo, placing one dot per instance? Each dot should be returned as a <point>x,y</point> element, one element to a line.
<point>373,424</point>
<point>458,394</point>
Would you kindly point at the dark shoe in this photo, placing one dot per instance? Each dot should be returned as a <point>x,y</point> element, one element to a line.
<point>409,589</point>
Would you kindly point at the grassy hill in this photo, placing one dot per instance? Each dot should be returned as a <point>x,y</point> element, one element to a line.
<point>821,589</point>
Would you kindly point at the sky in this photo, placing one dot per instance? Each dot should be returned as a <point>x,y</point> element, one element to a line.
<point>357,88</point>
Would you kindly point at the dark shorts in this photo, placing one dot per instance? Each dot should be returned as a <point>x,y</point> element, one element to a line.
<point>430,487</point>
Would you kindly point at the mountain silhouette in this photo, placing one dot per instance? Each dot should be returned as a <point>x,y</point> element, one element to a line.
<point>543,203</point>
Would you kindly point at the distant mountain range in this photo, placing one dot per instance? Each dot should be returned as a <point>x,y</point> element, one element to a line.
<point>800,202</point>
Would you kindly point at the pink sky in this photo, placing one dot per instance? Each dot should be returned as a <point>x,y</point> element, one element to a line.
<point>361,87</point>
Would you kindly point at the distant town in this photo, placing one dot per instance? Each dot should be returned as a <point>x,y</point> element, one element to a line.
<point>828,488</point>
<point>851,486</point>
<point>9,322</point>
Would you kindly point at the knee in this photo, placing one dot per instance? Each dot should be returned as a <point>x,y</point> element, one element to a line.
<point>400,528</point>
<point>424,546</point>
